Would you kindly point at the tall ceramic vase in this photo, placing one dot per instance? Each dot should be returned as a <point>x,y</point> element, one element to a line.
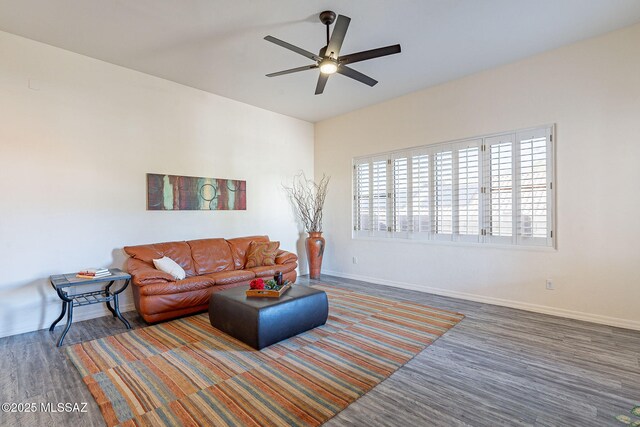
<point>315,250</point>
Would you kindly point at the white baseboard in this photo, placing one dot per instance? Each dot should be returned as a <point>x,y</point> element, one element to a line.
<point>30,323</point>
<point>570,314</point>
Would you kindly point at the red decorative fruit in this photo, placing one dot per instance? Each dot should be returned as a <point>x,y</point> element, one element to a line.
<point>256,284</point>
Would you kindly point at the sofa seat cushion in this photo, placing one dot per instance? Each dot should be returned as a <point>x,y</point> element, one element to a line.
<point>228,277</point>
<point>239,247</point>
<point>156,307</point>
<point>211,255</point>
<point>187,285</point>
<point>180,252</point>
<point>270,270</point>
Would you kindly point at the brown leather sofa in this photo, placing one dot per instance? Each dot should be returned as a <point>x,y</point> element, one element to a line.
<point>210,264</point>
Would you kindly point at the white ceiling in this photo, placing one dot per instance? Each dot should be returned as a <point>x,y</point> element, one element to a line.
<point>218,46</point>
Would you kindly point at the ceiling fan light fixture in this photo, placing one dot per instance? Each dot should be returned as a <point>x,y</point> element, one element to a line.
<point>328,66</point>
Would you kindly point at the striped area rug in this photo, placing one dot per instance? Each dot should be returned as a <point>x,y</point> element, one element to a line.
<point>185,372</point>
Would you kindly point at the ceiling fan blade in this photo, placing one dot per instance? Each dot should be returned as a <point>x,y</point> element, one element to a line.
<point>322,81</point>
<point>337,36</point>
<point>292,70</point>
<point>356,75</point>
<point>370,54</point>
<point>296,49</point>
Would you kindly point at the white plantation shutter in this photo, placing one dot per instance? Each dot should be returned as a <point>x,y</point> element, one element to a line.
<point>420,189</point>
<point>467,200</point>
<point>400,195</point>
<point>361,197</point>
<point>492,189</point>
<point>534,183</point>
<point>443,194</point>
<point>380,193</point>
<point>498,189</point>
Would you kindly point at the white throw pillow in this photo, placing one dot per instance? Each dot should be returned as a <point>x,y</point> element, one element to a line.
<point>168,265</point>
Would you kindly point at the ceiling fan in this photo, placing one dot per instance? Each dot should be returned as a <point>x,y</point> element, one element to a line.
<point>329,60</point>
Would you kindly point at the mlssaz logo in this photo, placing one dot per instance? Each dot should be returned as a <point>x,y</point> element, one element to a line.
<point>63,407</point>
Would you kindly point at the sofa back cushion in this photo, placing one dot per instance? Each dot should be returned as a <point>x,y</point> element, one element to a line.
<point>211,255</point>
<point>239,247</point>
<point>180,252</point>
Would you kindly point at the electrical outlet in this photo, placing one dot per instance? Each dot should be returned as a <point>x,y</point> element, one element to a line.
<point>550,286</point>
<point>355,259</point>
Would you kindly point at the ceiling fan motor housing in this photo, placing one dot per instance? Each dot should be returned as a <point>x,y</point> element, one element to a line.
<point>327,17</point>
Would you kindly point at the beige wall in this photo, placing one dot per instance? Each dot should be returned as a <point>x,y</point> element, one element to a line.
<point>591,90</point>
<point>73,159</point>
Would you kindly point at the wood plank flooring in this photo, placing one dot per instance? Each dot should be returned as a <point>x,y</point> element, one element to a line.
<point>499,366</point>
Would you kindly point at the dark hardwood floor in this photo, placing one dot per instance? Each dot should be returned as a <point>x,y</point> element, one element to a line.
<point>499,366</point>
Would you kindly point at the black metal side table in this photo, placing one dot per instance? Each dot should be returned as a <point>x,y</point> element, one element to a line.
<point>60,282</point>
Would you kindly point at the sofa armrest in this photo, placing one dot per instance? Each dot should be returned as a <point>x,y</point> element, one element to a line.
<point>143,274</point>
<point>284,257</point>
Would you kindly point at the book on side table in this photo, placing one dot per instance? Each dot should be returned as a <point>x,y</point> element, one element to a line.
<point>93,273</point>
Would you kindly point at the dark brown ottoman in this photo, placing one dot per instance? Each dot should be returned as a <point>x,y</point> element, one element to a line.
<point>260,322</point>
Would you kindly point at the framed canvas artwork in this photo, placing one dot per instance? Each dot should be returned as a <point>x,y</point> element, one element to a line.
<point>173,192</point>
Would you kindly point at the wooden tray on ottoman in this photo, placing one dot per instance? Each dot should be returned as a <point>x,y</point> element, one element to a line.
<point>268,293</point>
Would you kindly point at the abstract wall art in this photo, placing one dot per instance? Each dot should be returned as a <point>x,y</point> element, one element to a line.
<point>172,192</point>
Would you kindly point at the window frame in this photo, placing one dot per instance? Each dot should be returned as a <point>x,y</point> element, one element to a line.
<point>395,212</point>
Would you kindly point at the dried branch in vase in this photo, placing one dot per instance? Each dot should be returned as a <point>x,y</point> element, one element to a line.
<point>308,198</point>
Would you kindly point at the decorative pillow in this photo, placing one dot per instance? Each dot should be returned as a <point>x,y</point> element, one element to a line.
<point>168,265</point>
<point>261,253</point>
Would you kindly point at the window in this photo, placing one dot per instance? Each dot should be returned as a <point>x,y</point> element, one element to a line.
<point>499,189</point>
<point>361,204</point>
<point>419,213</point>
<point>533,202</point>
<point>400,195</point>
<point>491,189</point>
<point>443,193</point>
<point>380,195</point>
<point>468,190</point>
